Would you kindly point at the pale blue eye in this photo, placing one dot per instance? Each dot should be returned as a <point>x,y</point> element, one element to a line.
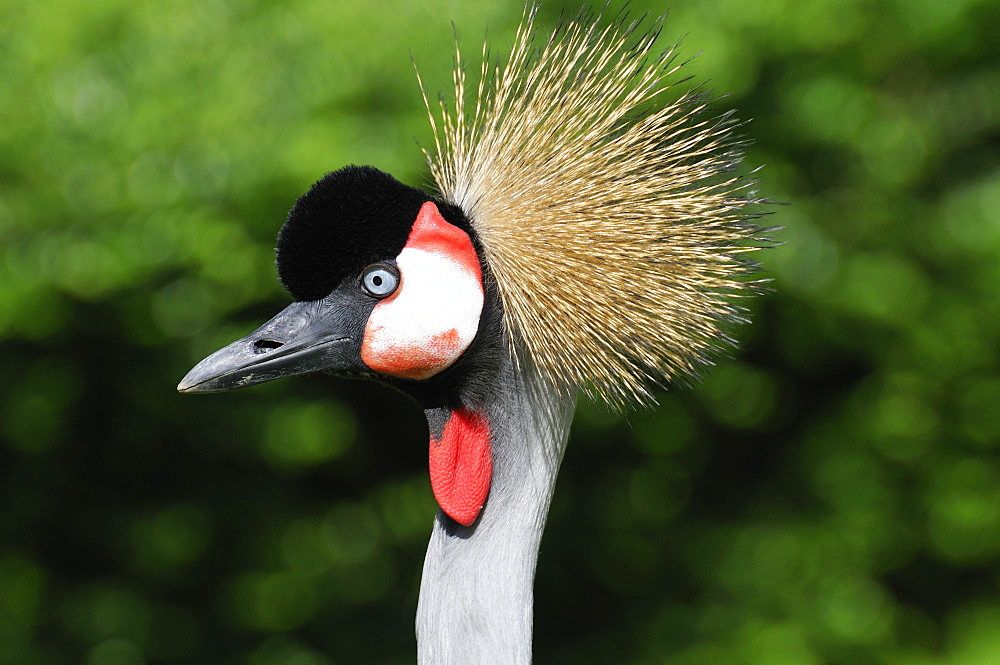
<point>379,280</point>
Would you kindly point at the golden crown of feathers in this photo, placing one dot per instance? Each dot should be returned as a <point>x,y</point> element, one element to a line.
<point>611,215</point>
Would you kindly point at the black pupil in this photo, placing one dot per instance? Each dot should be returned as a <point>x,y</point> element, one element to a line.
<point>377,280</point>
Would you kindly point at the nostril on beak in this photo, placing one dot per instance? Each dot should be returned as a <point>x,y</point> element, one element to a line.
<point>265,345</point>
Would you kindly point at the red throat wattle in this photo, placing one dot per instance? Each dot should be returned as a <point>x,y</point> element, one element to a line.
<point>461,465</point>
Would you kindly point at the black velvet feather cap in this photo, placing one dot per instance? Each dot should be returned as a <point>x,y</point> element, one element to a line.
<point>348,220</point>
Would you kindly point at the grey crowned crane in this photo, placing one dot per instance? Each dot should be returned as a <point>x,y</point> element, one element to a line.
<point>588,234</point>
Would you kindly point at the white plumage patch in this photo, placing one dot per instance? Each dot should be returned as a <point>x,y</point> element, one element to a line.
<point>433,316</point>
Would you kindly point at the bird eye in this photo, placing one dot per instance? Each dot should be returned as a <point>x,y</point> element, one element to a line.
<point>380,280</point>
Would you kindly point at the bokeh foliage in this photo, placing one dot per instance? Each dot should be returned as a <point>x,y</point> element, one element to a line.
<point>830,496</point>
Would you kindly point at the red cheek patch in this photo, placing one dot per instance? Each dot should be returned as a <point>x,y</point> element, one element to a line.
<point>461,465</point>
<point>420,360</point>
<point>432,233</point>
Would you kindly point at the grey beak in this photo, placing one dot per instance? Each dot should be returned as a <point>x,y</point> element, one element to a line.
<point>304,337</point>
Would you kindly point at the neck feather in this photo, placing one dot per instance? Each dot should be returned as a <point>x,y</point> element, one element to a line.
<point>476,591</point>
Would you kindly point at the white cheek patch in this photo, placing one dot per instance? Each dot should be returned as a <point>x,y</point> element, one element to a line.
<point>433,316</point>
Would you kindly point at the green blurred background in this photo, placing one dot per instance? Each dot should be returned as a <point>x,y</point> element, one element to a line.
<point>830,496</point>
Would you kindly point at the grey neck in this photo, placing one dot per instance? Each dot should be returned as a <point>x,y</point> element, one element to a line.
<point>476,595</point>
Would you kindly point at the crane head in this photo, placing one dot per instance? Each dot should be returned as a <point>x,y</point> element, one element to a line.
<point>387,284</point>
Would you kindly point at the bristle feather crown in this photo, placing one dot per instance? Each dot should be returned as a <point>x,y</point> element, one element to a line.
<point>610,216</point>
